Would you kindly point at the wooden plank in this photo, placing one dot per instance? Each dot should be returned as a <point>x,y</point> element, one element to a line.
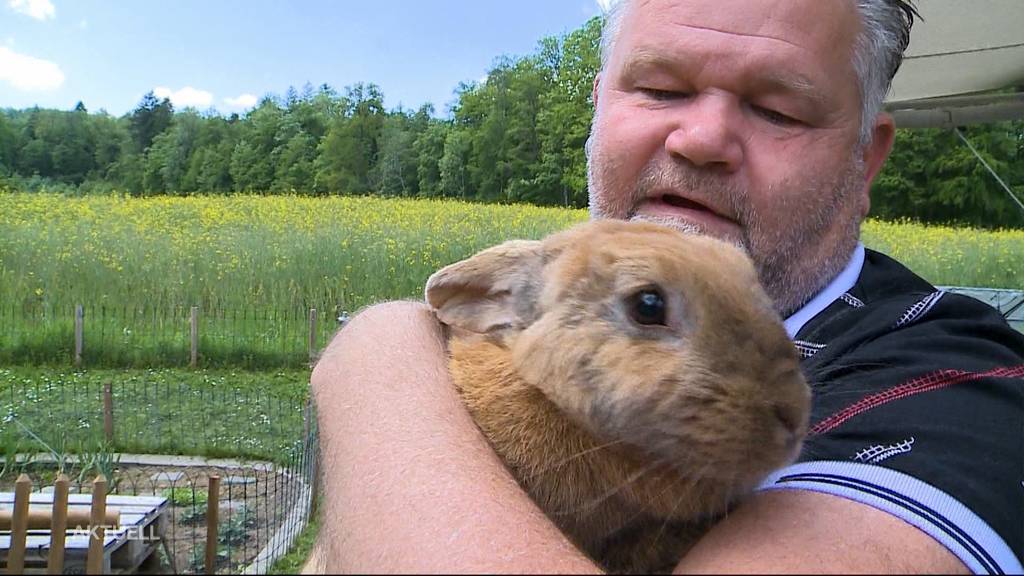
<point>72,540</point>
<point>40,518</point>
<point>212,508</point>
<point>19,530</point>
<point>117,500</point>
<point>94,561</point>
<point>59,514</point>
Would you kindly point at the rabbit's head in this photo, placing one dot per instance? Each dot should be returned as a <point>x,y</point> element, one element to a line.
<point>644,335</point>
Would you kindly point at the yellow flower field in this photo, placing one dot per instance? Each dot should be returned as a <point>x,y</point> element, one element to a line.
<point>290,251</point>
<point>254,266</point>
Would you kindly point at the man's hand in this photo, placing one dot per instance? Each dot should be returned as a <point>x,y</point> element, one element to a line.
<point>410,483</point>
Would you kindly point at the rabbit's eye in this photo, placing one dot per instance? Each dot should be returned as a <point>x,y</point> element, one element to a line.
<point>647,307</point>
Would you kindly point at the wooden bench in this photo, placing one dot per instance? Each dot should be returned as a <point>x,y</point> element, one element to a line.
<point>134,540</point>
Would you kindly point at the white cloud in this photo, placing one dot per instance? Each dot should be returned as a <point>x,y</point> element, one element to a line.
<point>605,5</point>
<point>243,101</point>
<point>38,9</point>
<point>28,73</point>
<point>186,97</point>
<point>83,24</point>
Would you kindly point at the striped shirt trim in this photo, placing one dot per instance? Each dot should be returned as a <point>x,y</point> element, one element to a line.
<point>807,349</point>
<point>934,512</point>
<point>917,311</point>
<point>841,284</point>
<point>852,300</point>
<point>926,383</point>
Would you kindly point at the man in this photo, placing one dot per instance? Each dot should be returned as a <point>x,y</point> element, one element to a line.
<point>756,121</point>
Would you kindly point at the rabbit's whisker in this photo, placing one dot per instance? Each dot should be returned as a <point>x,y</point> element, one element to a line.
<point>594,503</point>
<point>577,456</point>
<point>667,519</point>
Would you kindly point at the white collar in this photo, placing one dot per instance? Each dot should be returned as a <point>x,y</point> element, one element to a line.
<point>840,285</point>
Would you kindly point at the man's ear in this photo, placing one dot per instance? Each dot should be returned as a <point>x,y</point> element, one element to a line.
<point>495,289</point>
<point>883,135</point>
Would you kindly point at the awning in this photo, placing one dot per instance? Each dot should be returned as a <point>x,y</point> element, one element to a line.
<point>960,51</point>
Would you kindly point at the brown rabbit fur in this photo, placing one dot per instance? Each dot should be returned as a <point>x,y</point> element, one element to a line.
<point>631,436</point>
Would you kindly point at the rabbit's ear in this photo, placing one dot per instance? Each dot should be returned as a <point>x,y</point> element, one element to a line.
<point>495,289</point>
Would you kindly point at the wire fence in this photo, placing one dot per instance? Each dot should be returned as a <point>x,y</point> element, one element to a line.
<point>151,336</point>
<point>164,440</point>
<point>106,335</point>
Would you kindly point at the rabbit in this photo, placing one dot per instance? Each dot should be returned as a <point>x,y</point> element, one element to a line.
<point>636,380</point>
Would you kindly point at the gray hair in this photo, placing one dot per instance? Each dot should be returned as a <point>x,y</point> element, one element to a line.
<point>877,54</point>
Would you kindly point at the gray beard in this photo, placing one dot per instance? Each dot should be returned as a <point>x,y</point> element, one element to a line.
<point>782,255</point>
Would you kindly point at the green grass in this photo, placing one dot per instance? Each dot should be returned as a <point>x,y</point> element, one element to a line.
<point>212,413</point>
<point>295,559</point>
<point>255,266</point>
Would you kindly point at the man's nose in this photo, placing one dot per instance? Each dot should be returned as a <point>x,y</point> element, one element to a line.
<point>706,132</point>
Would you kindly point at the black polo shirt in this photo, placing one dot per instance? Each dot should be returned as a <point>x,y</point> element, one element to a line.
<point>918,411</point>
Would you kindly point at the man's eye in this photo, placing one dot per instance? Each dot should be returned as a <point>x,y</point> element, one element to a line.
<point>661,95</point>
<point>774,117</point>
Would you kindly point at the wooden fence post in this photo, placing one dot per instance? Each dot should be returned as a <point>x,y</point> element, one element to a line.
<point>312,336</point>
<point>212,509</point>
<point>19,525</point>
<point>58,527</point>
<point>97,526</point>
<point>108,413</point>
<point>79,329</point>
<point>194,325</point>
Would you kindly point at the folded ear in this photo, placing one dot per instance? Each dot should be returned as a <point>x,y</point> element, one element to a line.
<point>494,289</point>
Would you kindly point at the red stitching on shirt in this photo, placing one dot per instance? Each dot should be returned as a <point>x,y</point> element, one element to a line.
<point>927,383</point>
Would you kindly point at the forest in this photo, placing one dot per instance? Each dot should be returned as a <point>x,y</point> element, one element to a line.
<point>517,137</point>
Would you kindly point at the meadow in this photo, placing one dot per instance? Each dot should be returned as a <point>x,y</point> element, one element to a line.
<point>255,265</point>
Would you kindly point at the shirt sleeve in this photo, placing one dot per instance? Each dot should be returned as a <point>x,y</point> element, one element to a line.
<point>919,412</point>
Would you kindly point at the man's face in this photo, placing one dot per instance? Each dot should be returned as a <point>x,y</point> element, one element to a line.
<point>739,119</point>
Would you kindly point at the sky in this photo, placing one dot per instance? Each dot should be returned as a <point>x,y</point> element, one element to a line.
<point>226,54</point>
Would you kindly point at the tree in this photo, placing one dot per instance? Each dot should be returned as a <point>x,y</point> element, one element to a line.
<point>394,173</point>
<point>73,149</point>
<point>563,122</point>
<point>349,149</point>
<point>254,161</point>
<point>454,165</point>
<point>8,146</point>
<point>295,155</point>
<point>168,157</point>
<point>933,177</point>
<point>429,149</point>
<point>111,141</point>
<point>150,119</point>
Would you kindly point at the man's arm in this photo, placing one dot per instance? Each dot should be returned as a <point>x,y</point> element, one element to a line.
<point>797,531</point>
<point>410,483</point>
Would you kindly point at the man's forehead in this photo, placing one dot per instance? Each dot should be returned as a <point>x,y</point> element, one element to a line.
<point>815,22</point>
